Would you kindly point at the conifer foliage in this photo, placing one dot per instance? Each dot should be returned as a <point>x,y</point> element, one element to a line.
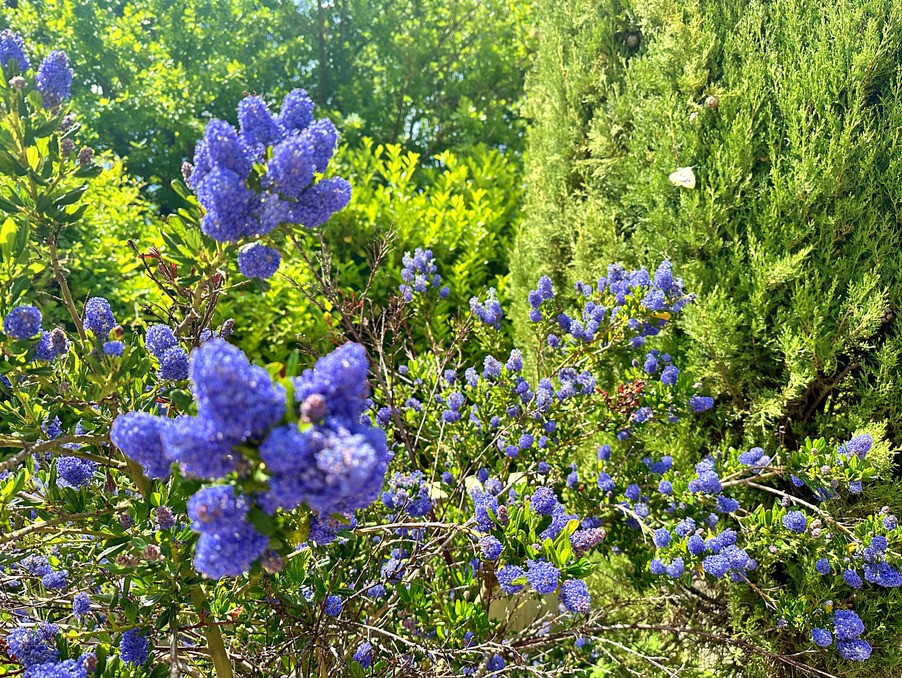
<point>756,146</point>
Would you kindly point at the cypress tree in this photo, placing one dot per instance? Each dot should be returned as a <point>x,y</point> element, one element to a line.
<point>788,115</point>
<point>758,146</point>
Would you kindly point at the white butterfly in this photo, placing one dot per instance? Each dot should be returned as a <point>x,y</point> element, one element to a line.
<point>684,176</point>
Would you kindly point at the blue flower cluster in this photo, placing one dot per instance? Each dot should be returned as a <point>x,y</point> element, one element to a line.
<point>612,299</point>
<point>162,343</point>
<point>543,292</point>
<point>858,446</point>
<point>228,543</point>
<point>134,647</point>
<point>113,348</point>
<point>364,655</point>
<point>754,457</point>
<point>727,558</point>
<point>33,646</point>
<point>81,604</point>
<point>719,554</point>
<point>69,668</point>
<point>334,462</point>
<point>56,580</point>
<point>54,79</point>
<point>159,338</point>
<point>238,398</point>
<point>488,312</point>
<point>509,578</point>
<point>24,322</point>
<point>540,575</point>
<point>138,435</point>
<point>575,596</point>
<point>848,627</point>
<point>706,480</point>
<point>490,548</point>
<point>333,606</point>
<point>74,472</point>
<point>229,164</point>
<point>98,317</point>
<point>51,345</point>
<point>876,568</point>
<point>324,530</point>
<point>338,464</point>
<point>408,493</point>
<point>795,521</point>
<point>12,46</point>
<point>420,274</point>
<point>256,260</point>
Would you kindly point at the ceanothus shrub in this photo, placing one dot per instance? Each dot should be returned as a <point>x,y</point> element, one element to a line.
<point>379,507</point>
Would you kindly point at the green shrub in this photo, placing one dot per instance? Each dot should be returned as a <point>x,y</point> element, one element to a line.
<point>97,257</point>
<point>118,213</point>
<point>464,207</point>
<point>788,115</point>
<point>435,75</point>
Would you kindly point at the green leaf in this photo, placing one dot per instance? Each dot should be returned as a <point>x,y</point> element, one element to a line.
<point>7,206</point>
<point>8,239</point>
<point>72,217</point>
<point>10,166</point>
<point>71,197</point>
<point>88,171</point>
<point>46,129</point>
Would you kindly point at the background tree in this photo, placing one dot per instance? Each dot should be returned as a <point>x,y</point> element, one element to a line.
<point>787,116</point>
<point>437,75</point>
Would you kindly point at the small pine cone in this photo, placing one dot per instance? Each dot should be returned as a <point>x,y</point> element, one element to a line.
<point>712,102</point>
<point>633,40</point>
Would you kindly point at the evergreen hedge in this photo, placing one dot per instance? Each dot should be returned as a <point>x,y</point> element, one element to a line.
<point>788,114</point>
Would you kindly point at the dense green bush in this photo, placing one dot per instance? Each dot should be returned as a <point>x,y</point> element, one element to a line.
<point>787,115</point>
<point>432,75</point>
<point>464,207</point>
<point>115,213</point>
